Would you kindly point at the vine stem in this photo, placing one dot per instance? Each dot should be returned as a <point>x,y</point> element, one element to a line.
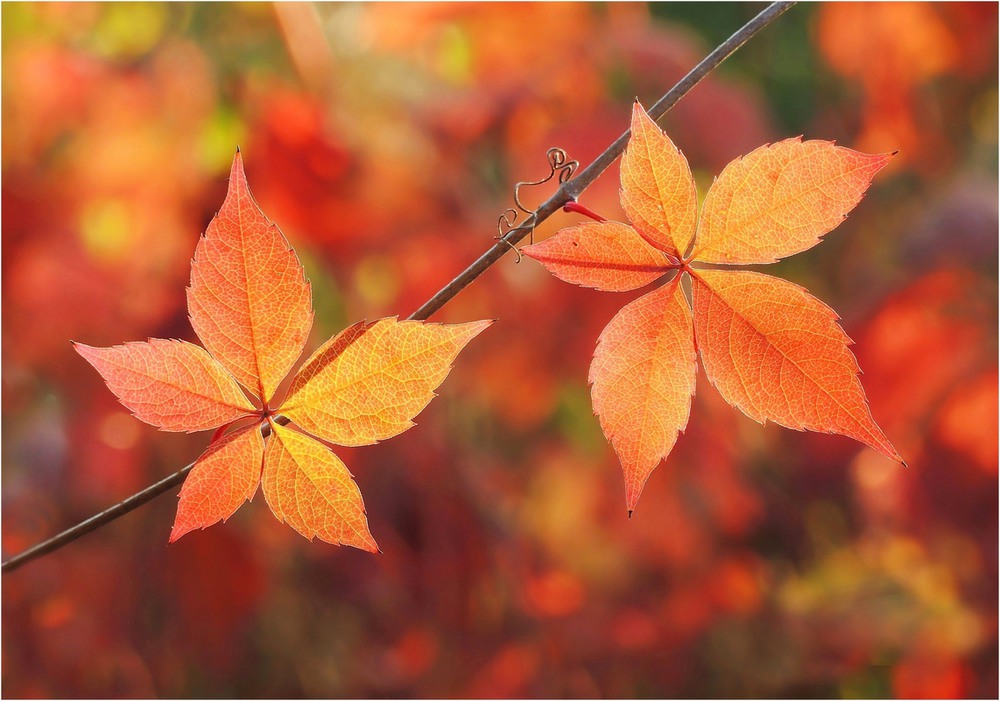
<point>566,193</point>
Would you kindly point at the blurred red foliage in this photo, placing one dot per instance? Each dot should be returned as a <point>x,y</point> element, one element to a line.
<point>385,140</point>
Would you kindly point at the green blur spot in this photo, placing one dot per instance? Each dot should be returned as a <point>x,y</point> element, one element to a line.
<point>129,29</point>
<point>455,56</point>
<point>576,420</point>
<point>222,133</point>
<point>105,230</point>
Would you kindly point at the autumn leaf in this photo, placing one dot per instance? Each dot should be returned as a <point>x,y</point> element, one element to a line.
<point>771,349</point>
<point>251,306</point>
<point>643,379</point>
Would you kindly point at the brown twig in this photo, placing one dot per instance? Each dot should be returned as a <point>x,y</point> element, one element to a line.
<point>568,191</point>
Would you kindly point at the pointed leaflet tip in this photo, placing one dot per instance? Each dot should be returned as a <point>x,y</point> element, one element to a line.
<point>248,300</point>
<point>657,190</point>
<point>225,476</point>
<point>643,379</point>
<point>777,354</point>
<point>781,199</point>
<point>308,487</point>
<point>173,385</point>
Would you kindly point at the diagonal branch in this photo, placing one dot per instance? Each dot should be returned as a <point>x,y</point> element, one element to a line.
<point>571,189</point>
<point>567,192</point>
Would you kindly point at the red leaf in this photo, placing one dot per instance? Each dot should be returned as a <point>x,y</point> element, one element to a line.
<point>225,476</point>
<point>776,353</point>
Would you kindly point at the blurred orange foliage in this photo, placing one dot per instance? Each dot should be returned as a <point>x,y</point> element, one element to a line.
<point>385,140</point>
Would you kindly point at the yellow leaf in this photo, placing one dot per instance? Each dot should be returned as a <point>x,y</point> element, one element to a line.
<point>780,199</point>
<point>367,383</point>
<point>310,489</point>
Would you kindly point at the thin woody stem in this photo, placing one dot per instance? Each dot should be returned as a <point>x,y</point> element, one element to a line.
<point>98,520</point>
<point>571,189</point>
<point>568,192</point>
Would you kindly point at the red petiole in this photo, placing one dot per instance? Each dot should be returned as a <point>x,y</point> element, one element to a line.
<point>574,206</point>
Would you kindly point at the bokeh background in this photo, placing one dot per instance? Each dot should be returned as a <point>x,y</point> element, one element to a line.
<point>385,141</point>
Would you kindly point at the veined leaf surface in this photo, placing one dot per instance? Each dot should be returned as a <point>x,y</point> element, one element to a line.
<point>643,378</point>
<point>607,256</point>
<point>250,304</point>
<point>773,350</point>
<point>171,384</point>
<point>249,300</point>
<point>777,353</point>
<point>367,384</point>
<point>310,489</point>
<point>780,199</point>
<point>224,477</point>
<point>658,193</point>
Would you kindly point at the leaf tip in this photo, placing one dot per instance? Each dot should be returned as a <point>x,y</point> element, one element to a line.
<point>629,513</point>
<point>88,353</point>
<point>365,542</point>
<point>176,533</point>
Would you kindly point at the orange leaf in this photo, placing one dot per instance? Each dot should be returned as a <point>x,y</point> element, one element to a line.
<point>249,301</point>
<point>367,383</point>
<point>643,378</point>
<point>606,256</point>
<point>776,353</point>
<point>173,385</point>
<point>780,199</point>
<point>658,193</point>
<point>225,476</point>
<point>311,490</point>
<point>772,349</point>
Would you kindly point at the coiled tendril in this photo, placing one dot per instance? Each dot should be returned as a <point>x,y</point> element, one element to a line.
<point>560,167</point>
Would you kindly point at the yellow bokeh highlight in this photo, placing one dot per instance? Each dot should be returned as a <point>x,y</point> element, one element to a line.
<point>107,230</point>
<point>376,281</point>
<point>130,29</point>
